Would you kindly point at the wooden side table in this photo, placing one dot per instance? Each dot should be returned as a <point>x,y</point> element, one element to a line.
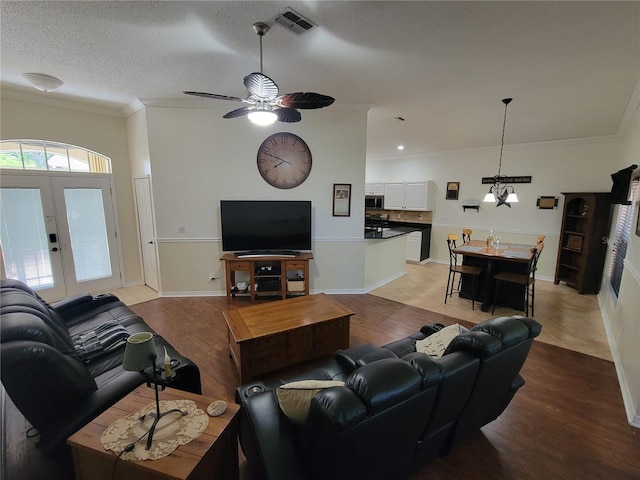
<point>214,454</point>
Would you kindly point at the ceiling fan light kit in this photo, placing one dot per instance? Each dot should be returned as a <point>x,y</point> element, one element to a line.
<point>266,105</point>
<point>262,117</point>
<point>44,83</point>
<point>499,191</point>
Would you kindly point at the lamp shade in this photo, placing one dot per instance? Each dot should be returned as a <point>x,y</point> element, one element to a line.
<point>140,352</point>
<point>490,197</point>
<point>512,198</point>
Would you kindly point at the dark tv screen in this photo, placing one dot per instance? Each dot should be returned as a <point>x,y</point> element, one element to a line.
<point>265,225</point>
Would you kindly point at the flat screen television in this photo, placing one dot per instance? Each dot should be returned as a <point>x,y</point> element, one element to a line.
<point>265,226</point>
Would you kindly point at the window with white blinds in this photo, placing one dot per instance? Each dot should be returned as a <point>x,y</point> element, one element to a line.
<point>623,234</point>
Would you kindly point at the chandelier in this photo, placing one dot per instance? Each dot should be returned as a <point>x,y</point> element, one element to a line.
<point>500,191</point>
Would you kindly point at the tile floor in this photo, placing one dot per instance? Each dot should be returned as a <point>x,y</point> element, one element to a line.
<point>137,294</point>
<point>568,319</point>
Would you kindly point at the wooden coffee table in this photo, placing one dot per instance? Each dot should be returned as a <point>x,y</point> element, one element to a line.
<point>274,335</point>
<point>214,454</point>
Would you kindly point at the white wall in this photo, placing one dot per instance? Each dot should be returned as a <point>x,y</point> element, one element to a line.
<point>555,167</point>
<point>197,158</point>
<point>622,319</point>
<point>96,130</point>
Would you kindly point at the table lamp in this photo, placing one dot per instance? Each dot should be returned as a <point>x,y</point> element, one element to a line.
<point>140,356</point>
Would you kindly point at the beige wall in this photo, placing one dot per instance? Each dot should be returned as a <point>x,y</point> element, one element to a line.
<point>197,158</point>
<point>101,131</point>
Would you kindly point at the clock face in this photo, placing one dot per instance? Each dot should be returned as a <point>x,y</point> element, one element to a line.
<point>284,160</point>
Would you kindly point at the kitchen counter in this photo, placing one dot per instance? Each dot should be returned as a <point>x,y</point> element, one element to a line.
<point>389,232</point>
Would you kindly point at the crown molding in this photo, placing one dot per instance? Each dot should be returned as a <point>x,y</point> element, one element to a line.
<point>514,147</point>
<point>52,100</point>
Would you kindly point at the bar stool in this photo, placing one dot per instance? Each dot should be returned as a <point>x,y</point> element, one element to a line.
<point>466,235</point>
<point>460,270</point>
<point>527,280</point>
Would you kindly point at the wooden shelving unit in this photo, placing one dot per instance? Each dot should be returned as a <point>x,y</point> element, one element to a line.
<point>582,247</point>
<point>275,276</point>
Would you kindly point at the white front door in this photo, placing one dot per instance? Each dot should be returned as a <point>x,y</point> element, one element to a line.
<point>58,233</point>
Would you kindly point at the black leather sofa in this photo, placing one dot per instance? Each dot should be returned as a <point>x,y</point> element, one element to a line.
<point>57,386</point>
<point>397,411</point>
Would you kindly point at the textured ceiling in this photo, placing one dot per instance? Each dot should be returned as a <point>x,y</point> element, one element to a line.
<point>571,67</point>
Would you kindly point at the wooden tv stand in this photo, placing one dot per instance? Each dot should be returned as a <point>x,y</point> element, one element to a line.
<point>274,282</point>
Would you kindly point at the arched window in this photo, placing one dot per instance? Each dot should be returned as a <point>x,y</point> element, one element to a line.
<point>51,156</point>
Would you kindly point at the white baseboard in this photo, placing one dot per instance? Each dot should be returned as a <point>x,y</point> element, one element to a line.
<point>627,400</point>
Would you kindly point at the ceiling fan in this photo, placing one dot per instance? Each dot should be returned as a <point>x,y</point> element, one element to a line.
<point>265,104</point>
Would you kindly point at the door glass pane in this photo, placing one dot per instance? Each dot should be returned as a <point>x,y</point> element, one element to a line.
<point>87,228</point>
<point>24,238</point>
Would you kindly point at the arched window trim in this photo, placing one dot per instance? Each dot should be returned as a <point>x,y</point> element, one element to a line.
<point>96,162</point>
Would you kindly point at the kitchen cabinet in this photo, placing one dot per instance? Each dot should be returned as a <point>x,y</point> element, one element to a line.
<point>409,196</point>
<point>414,243</point>
<point>374,188</point>
<point>418,242</point>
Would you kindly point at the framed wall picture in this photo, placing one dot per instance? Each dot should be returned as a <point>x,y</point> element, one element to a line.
<point>453,189</point>
<point>341,199</point>
<point>547,203</point>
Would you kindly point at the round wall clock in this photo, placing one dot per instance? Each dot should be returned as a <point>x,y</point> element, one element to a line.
<point>284,160</point>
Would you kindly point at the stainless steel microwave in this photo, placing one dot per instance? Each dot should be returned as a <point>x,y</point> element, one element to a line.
<point>374,202</point>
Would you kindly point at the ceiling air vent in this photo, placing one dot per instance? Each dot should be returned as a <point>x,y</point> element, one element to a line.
<point>292,20</point>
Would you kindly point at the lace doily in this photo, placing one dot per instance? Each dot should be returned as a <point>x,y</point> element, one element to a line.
<point>172,430</point>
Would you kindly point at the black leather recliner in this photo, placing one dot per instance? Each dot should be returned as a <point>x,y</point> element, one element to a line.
<point>397,410</point>
<point>49,382</point>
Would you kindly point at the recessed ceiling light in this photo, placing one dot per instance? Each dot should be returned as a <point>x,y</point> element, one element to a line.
<point>400,147</point>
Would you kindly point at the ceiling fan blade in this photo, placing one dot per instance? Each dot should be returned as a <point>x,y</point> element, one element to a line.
<point>239,112</point>
<point>261,86</point>
<point>304,100</point>
<point>215,95</point>
<point>288,115</point>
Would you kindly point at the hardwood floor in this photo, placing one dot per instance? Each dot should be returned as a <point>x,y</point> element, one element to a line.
<point>567,422</point>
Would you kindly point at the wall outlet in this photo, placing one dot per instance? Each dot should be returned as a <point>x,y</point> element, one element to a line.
<point>181,229</point>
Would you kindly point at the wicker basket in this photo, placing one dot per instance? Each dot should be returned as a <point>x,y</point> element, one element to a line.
<point>295,285</point>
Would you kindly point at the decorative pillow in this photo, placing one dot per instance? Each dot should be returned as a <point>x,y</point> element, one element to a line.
<point>295,397</point>
<point>435,344</point>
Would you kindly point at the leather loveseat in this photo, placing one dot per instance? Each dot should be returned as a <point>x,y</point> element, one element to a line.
<point>397,411</point>
<point>57,364</point>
